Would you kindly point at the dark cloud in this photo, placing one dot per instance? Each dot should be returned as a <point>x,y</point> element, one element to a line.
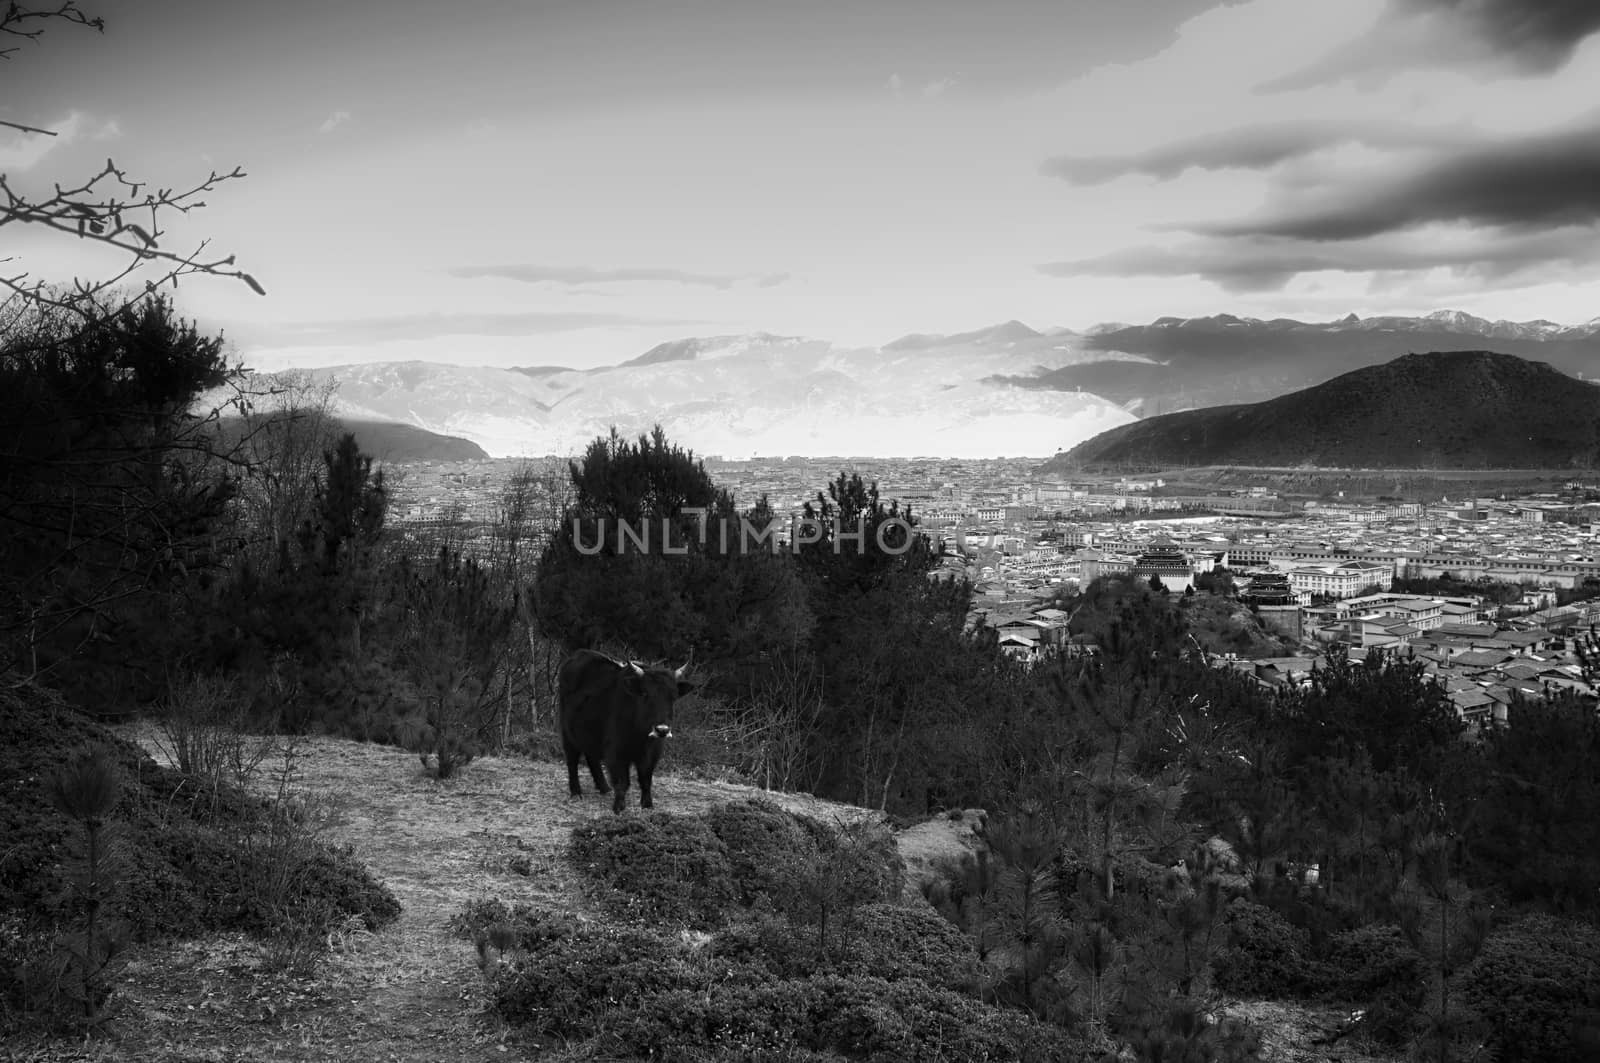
<point>1530,36</point>
<point>1261,264</point>
<point>345,331</point>
<point>576,276</point>
<point>1540,34</point>
<point>1540,182</point>
<point>1256,147</point>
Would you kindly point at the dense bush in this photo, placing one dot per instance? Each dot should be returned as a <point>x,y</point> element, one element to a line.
<point>193,855</point>
<point>764,846</point>
<point>1264,956</point>
<point>322,886</point>
<point>661,867</point>
<point>891,941</point>
<point>767,943</point>
<point>887,988</point>
<point>897,942</point>
<point>1376,966</point>
<point>1537,985</point>
<point>742,1017</point>
<point>186,870</point>
<point>565,985</point>
<point>856,1017</point>
<point>526,926</point>
<point>679,869</point>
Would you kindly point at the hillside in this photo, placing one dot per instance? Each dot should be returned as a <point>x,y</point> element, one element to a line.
<point>389,441</point>
<point>395,442</point>
<point>1446,409</point>
<point>415,990</point>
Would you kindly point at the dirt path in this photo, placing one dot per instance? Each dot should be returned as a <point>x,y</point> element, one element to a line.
<point>412,992</point>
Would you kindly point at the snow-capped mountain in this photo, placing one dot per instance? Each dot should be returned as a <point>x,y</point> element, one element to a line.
<point>757,394</point>
<point>1004,390</point>
<point>1458,322</point>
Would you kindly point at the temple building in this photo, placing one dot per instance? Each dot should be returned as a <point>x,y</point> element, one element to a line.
<point>1164,559</point>
<point>1268,588</point>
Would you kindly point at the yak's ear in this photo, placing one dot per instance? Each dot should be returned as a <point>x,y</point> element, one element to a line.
<point>684,688</point>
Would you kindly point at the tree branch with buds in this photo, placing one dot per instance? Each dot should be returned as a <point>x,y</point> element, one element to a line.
<point>109,208</point>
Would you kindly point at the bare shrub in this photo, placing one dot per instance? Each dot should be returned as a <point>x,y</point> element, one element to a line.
<point>770,734</point>
<point>276,853</point>
<point>202,731</point>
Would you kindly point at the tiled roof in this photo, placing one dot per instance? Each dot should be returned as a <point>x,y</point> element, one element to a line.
<point>1475,698</point>
<point>1470,630</point>
<point>1480,658</point>
<point>1523,638</point>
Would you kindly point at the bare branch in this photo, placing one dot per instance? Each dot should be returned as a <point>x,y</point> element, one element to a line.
<point>28,128</point>
<point>15,15</point>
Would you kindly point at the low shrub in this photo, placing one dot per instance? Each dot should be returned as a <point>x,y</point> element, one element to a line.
<point>894,942</point>
<point>1376,967</point>
<point>754,990</point>
<point>1537,985</point>
<point>188,861</point>
<point>746,1018</point>
<point>857,1017</point>
<point>189,869</point>
<point>564,986</point>
<point>661,867</point>
<point>898,942</point>
<point>1264,956</point>
<point>763,844</point>
<point>529,927</point>
<point>766,943</point>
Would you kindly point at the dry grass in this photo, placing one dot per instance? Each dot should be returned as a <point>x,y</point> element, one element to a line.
<point>1294,1033</point>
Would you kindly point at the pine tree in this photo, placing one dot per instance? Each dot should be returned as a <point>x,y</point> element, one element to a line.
<point>1025,939</point>
<point>1443,921</point>
<point>86,962</point>
<point>113,486</point>
<point>457,644</point>
<point>1117,699</point>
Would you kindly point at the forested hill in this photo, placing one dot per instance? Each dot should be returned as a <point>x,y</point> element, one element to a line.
<point>1445,409</point>
<point>391,441</point>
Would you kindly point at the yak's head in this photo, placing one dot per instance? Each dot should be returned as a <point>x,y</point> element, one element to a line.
<point>656,690</point>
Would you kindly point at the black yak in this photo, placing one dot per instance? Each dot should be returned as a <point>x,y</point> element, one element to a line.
<point>616,713</point>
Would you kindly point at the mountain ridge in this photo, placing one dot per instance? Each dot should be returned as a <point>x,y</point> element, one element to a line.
<point>1440,409</point>
<point>1184,363</point>
<point>1003,389</point>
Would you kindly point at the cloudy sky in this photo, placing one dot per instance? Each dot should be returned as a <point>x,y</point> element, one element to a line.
<point>572,181</point>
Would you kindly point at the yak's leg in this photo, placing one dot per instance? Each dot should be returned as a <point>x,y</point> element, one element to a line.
<point>647,772</point>
<point>619,784</point>
<point>599,775</point>
<point>572,767</point>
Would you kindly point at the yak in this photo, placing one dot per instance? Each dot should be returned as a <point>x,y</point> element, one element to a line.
<point>616,713</point>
